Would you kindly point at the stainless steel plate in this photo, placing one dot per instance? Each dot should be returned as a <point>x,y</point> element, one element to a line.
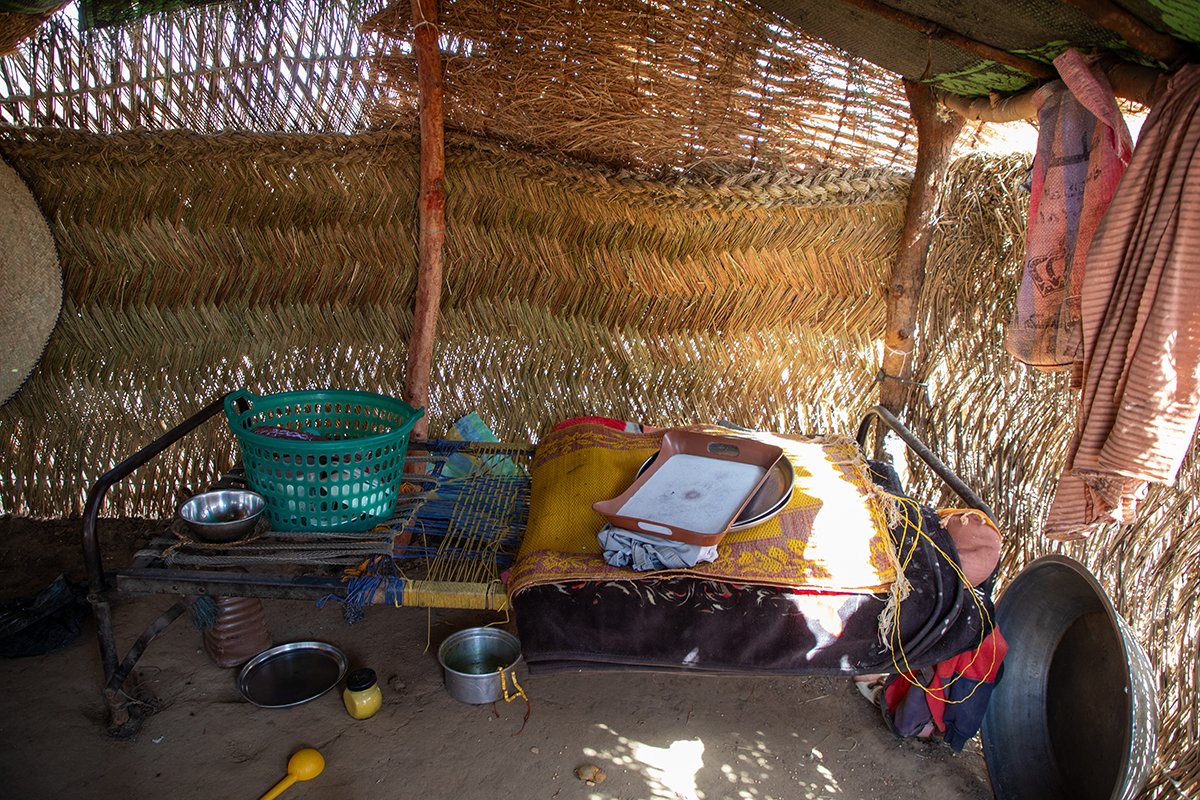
<point>771,498</point>
<point>291,674</point>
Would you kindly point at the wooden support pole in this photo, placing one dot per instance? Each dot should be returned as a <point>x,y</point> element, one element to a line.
<point>431,211</point>
<point>935,140</point>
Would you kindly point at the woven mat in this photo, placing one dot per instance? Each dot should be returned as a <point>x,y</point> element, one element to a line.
<point>832,537</point>
<point>31,284</point>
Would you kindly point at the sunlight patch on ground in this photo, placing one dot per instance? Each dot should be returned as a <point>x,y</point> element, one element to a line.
<point>669,772</point>
<point>753,769</point>
<point>674,767</point>
<point>677,771</point>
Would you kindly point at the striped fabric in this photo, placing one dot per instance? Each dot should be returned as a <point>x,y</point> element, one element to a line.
<point>1141,326</point>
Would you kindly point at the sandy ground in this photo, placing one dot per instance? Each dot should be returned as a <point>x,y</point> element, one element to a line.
<point>653,736</point>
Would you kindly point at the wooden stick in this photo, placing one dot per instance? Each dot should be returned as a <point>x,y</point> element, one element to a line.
<point>431,211</point>
<point>931,28</point>
<point>985,109</point>
<point>935,141</point>
<point>1130,81</point>
<point>1164,47</point>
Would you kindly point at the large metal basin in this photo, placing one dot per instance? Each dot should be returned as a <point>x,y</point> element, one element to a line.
<point>1075,714</point>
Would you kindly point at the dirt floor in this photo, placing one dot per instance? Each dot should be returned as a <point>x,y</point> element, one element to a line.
<point>651,735</point>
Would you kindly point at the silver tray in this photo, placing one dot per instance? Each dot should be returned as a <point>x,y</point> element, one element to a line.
<point>291,674</point>
<point>771,498</point>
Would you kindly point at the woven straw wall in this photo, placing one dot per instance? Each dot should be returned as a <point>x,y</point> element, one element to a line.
<point>196,265</point>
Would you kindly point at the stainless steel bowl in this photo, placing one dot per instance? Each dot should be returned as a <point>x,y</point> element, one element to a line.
<point>222,516</point>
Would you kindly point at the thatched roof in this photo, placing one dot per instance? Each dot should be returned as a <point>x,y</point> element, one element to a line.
<point>720,92</point>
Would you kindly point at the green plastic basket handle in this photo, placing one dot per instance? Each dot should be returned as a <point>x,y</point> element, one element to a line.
<point>232,399</point>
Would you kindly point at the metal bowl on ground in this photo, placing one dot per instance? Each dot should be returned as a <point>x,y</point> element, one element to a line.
<point>221,516</point>
<point>480,664</point>
<point>1075,713</point>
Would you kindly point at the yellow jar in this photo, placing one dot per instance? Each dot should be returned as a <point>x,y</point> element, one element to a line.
<point>362,695</point>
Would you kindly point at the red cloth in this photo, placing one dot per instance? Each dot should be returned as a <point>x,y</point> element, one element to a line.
<point>955,699</point>
<point>1083,149</point>
<point>608,422</point>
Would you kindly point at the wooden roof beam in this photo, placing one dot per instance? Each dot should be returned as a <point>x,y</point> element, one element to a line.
<point>1139,35</point>
<point>1029,66</point>
<point>1130,81</point>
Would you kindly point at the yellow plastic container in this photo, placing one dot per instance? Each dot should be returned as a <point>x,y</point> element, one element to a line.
<point>362,695</point>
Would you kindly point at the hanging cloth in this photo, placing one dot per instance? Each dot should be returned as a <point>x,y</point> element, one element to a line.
<point>1083,148</point>
<point>1140,315</point>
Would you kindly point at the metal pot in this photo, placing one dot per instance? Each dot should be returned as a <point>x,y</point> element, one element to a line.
<point>474,660</point>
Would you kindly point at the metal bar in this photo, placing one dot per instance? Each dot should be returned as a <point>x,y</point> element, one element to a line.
<point>118,714</point>
<point>922,450</point>
<point>226,584</point>
<point>92,560</point>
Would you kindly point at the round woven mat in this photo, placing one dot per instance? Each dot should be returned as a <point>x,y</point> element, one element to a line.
<point>31,284</point>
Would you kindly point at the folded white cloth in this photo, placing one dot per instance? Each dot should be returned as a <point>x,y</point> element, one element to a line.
<point>644,552</point>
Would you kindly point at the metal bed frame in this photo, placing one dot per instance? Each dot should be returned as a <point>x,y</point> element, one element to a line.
<point>147,574</point>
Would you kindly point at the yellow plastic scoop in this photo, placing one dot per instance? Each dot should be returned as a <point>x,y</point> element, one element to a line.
<point>304,765</point>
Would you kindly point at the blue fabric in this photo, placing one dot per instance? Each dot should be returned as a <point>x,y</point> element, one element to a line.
<point>911,714</point>
<point>643,552</point>
<point>952,696</point>
<point>964,713</point>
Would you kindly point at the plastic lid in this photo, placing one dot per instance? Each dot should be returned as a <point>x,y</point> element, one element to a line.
<point>360,680</point>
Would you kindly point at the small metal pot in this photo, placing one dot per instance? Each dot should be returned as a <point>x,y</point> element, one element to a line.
<point>473,660</point>
<point>222,516</point>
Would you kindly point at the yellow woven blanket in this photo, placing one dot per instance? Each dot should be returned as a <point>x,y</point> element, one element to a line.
<point>831,537</point>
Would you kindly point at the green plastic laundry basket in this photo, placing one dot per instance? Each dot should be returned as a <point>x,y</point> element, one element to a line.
<point>349,482</point>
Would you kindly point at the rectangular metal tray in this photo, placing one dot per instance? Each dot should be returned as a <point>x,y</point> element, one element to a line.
<point>695,488</point>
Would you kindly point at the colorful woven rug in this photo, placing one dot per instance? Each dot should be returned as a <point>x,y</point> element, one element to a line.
<point>832,536</point>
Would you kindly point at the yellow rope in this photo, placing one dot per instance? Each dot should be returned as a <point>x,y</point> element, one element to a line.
<point>894,633</point>
<point>448,594</point>
<point>520,693</point>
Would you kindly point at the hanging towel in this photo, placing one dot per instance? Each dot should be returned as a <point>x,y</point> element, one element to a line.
<point>1083,148</point>
<point>1141,326</point>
